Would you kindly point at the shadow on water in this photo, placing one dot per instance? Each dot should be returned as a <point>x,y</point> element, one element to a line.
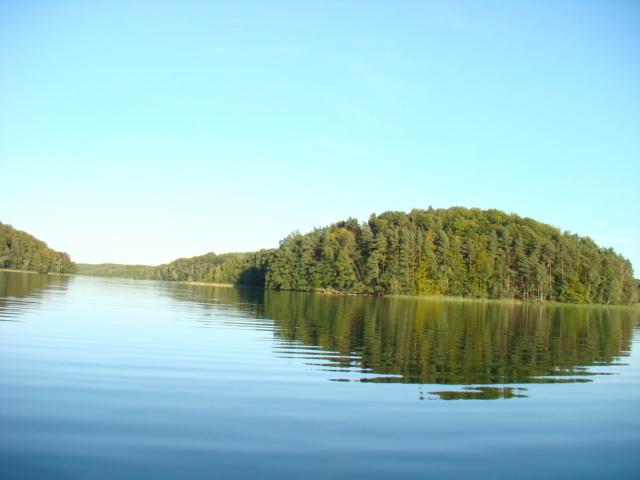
<point>426,341</point>
<point>21,291</point>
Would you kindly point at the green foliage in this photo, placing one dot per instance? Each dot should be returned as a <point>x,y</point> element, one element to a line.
<point>21,251</point>
<point>456,251</point>
<point>137,272</point>
<point>237,268</point>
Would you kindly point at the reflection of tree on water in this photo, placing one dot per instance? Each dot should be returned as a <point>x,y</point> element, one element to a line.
<point>482,393</point>
<point>224,302</point>
<point>448,342</point>
<point>21,291</point>
<point>430,341</point>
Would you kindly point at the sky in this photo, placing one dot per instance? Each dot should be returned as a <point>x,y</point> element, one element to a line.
<point>140,132</point>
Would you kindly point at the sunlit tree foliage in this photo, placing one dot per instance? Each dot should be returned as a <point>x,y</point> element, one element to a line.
<point>21,251</point>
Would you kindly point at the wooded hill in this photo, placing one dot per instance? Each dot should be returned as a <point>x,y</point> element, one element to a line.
<point>455,251</point>
<point>21,251</point>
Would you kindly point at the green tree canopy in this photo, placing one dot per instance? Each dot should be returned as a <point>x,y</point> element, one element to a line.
<point>21,251</point>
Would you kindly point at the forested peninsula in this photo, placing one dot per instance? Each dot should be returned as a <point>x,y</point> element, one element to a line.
<point>21,251</point>
<point>456,251</point>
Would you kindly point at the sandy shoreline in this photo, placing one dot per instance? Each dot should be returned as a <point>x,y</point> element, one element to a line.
<point>209,284</point>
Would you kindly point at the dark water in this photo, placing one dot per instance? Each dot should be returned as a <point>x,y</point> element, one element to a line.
<point>117,379</point>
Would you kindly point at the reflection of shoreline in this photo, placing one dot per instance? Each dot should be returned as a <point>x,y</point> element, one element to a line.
<point>20,291</point>
<point>430,341</point>
<point>33,272</point>
<point>457,343</point>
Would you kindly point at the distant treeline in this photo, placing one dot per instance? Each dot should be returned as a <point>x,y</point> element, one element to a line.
<point>138,272</point>
<point>21,251</point>
<point>235,268</point>
<point>455,251</point>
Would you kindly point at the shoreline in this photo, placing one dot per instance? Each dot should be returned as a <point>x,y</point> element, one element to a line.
<point>337,293</point>
<point>13,270</point>
<point>209,284</point>
<point>515,301</point>
<point>450,298</point>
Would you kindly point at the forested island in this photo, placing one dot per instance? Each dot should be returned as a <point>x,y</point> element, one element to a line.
<point>21,251</point>
<point>455,251</point>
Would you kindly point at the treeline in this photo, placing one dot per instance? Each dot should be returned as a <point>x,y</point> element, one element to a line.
<point>136,272</point>
<point>248,269</point>
<point>455,251</point>
<point>21,251</point>
<point>235,268</point>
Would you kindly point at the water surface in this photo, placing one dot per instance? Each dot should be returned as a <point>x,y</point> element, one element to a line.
<point>110,378</point>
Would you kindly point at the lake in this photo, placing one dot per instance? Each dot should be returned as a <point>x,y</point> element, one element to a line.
<point>110,378</point>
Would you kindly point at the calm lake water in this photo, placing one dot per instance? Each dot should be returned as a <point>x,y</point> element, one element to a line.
<point>117,379</point>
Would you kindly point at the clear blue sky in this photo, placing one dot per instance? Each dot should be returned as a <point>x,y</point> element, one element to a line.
<point>139,132</point>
